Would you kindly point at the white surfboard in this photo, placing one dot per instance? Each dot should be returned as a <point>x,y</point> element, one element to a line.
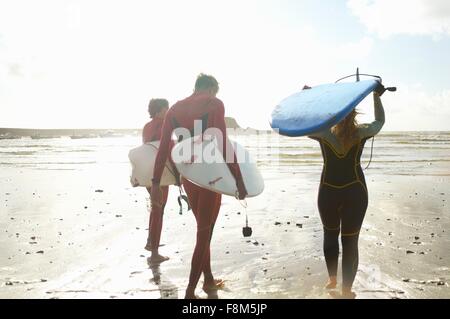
<point>142,160</point>
<point>201,162</point>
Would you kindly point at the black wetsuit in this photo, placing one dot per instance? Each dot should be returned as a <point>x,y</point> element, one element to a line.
<point>343,195</point>
<point>342,205</point>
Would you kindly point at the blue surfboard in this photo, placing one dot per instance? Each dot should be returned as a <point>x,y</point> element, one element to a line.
<point>319,108</point>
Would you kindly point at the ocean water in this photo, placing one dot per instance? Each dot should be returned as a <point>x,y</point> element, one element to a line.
<point>403,153</point>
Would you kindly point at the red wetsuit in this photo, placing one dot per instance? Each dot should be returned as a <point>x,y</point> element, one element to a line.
<point>151,133</point>
<point>205,204</point>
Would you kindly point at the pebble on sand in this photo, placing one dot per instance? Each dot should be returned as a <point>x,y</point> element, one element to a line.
<point>277,223</point>
<point>299,225</point>
<point>40,252</point>
<point>410,252</point>
<point>99,191</point>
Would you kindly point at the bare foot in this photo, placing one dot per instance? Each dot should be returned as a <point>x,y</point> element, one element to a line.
<point>216,284</point>
<point>332,283</point>
<point>157,258</point>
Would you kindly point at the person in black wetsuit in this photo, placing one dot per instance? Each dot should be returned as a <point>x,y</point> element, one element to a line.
<point>343,196</point>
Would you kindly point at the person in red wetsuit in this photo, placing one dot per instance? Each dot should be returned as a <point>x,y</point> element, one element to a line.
<point>157,109</point>
<point>203,106</point>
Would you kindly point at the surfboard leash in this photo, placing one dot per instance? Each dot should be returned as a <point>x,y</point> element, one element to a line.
<point>371,153</point>
<point>183,197</point>
<point>246,231</point>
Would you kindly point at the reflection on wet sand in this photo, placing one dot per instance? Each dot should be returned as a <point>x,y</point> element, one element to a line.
<point>167,289</point>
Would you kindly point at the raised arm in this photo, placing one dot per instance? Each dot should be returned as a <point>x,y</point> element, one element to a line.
<point>372,129</point>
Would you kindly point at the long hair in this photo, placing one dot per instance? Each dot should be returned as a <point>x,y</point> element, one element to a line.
<point>346,130</point>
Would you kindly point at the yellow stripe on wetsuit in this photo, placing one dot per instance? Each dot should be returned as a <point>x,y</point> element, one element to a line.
<point>358,180</point>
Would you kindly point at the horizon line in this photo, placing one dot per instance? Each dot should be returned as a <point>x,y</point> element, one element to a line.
<point>138,129</point>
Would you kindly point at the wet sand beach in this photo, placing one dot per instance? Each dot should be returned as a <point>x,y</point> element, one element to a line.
<point>73,227</point>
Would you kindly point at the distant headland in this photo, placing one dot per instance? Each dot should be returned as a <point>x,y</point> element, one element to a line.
<point>12,133</point>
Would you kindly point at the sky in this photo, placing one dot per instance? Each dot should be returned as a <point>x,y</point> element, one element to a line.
<point>96,64</point>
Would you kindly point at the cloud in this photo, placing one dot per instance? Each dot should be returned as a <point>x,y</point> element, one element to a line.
<point>412,17</point>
